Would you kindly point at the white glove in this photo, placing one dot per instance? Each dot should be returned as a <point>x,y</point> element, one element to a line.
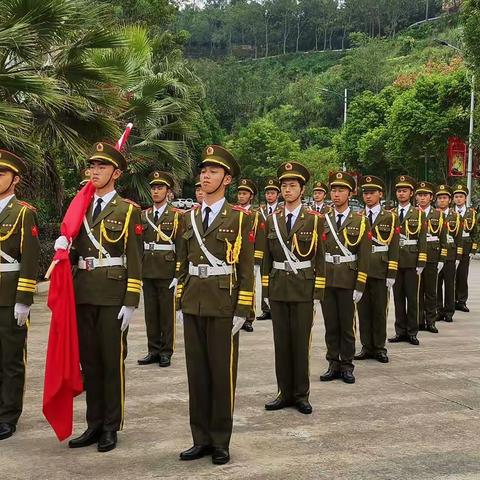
<point>237,324</point>
<point>357,296</point>
<point>61,243</point>
<point>390,282</point>
<point>420,270</point>
<point>21,312</point>
<point>440,265</point>
<point>316,306</point>
<point>256,270</point>
<point>457,263</point>
<point>174,286</point>
<point>267,302</point>
<point>179,316</point>
<point>125,314</point>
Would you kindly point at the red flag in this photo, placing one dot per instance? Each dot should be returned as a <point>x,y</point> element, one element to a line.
<point>63,379</point>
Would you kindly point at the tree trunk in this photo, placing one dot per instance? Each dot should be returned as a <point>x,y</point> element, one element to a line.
<point>426,9</point>
<point>266,37</point>
<point>285,35</point>
<point>298,34</point>
<point>330,39</point>
<point>325,39</point>
<point>343,37</point>
<point>316,39</point>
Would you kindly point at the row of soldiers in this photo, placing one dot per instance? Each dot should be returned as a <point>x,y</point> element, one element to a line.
<point>201,265</point>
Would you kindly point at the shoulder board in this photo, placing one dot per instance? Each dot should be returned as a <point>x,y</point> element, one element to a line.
<point>178,210</point>
<point>147,210</point>
<point>238,208</point>
<point>314,212</point>
<point>361,213</point>
<point>131,202</point>
<point>25,204</point>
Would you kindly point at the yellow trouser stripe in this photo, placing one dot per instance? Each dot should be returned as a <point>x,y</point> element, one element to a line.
<point>27,280</point>
<point>122,385</point>
<point>133,290</point>
<point>24,289</point>
<point>245,302</point>
<point>134,280</point>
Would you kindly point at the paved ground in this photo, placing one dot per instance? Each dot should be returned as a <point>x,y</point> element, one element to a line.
<point>415,418</point>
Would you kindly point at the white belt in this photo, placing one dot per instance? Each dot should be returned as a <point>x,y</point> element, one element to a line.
<point>432,239</point>
<point>158,246</point>
<point>91,263</point>
<point>287,267</point>
<point>381,248</point>
<point>205,271</point>
<point>404,242</point>
<point>450,239</point>
<point>340,258</point>
<point>9,267</point>
<point>465,234</point>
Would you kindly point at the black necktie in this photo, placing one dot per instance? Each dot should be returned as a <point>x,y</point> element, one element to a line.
<point>155,217</point>
<point>205,220</point>
<point>289,222</point>
<point>318,209</point>
<point>370,217</point>
<point>269,210</point>
<point>98,209</point>
<point>402,214</point>
<point>339,220</point>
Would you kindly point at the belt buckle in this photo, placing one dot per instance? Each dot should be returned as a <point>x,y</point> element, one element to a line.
<point>288,267</point>
<point>89,264</point>
<point>151,246</point>
<point>402,242</point>
<point>336,259</point>
<point>203,271</point>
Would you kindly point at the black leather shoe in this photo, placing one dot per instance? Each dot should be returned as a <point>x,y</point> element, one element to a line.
<point>303,406</point>
<point>432,329</point>
<point>398,338</point>
<point>6,430</point>
<point>348,377</point>
<point>148,359</point>
<point>382,357</point>
<point>413,340</point>
<point>422,327</point>
<point>277,404</point>
<point>440,317</point>
<point>265,316</point>
<point>462,307</point>
<point>330,375</point>
<point>448,319</point>
<point>247,326</point>
<point>196,452</point>
<point>220,456</point>
<point>164,361</point>
<point>363,355</point>
<point>89,437</point>
<point>107,442</point>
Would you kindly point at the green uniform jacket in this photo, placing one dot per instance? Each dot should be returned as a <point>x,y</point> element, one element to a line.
<point>469,235</point>
<point>222,295</point>
<point>436,250</point>
<point>413,256</point>
<point>350,275</point>
<point>19,240</point>
<point>161,264</point>
<point>308,283</point>
<point>453,233</point>
<point>258,230</point>
<point>116,285</point>
<point>384,233</point>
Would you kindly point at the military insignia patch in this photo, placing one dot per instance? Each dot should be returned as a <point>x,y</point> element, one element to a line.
<point>138,229</point>
<point>156,175</point>
<point>402,178</point>
<point>99,147</point>
<point>288,166</point>
<point>368,179</point>
<point>210,151</point>
<point>34,231</point>
<point>339,175</point>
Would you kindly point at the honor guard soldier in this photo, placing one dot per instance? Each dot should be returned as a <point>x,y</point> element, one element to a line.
<point>436,256</point>
<point>108,256</point>
<point>215,293</point>
<point>348,249</point>
<point>198,191</point>
<point>246,192</point>
<point>320,191</point>
<point>293,277</point>
<point>446,277</point>
<point>411,262</point>
<point>272,193</point>
<point>85,178</point>
<point>161,235</point>
<point>19,257</point>
<point>469,237</point>
<point>373,307</point>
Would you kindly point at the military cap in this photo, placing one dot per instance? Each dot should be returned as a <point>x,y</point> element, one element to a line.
<point>86,177</point>
<point>11,162</point>
<point>161,178</point>
<point>293,170</point>
<point>425,187</point>
<point>320,186</point>
<point>220,156</point>
<point>370,182</point>
<point>247,184</point>
<point>198,183</point>
<point>272,184</point>
<point>106,153</point>
<point>459,188</point>
<point>341,179</point>
<point>405,181</point>
<point>444,190</point>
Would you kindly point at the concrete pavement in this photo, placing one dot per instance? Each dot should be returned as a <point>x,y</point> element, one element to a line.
<point>417,417</point>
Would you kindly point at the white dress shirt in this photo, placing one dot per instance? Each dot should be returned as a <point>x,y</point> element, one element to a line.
<point>214,210</point>
<point>462,210</point>
<point>272,206</point>
<point>345,214</point>
<point>160,210</point>
<point>406,208</point>
<point>5,202</point>
<point>294,213</point>
<point>375,211</point>
<point>105,199</point>
<point>318,206</point>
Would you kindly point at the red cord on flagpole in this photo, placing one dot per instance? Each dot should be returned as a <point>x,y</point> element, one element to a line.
<point>123,139</point>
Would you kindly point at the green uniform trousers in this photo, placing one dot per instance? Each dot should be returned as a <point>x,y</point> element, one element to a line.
<point>292,334</point>
<point>446,289</point>
<point>405,296</point>
<point>159,304</point>
<point>372,316</point>
<point>265,307</point>
<point>339,317</point>
<point>103,349</point>
<point>212,359</point>
<point>13,360</point>
<point>461,288</point>
<point>427,304</point>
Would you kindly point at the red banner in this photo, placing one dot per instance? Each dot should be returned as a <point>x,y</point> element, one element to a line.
<point>457,157</point>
